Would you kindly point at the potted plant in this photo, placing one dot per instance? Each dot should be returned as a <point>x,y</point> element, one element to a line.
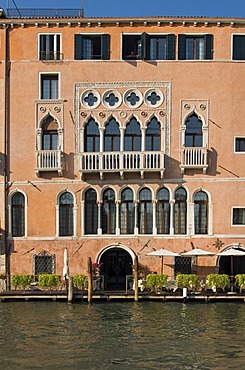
<point>156,281</point>
<point>216,281</point>
<point>189,281</point>
<point>240,281</point>
<point>79,281</point>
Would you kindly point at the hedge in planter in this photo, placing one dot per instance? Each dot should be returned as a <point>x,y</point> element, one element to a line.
<point>79,281</point>
<point>189,281</point>
<point>215,281</point>
<point>240,281</point>
<point>49,281</point>
<point>21,281</point>
<point>156,281</point>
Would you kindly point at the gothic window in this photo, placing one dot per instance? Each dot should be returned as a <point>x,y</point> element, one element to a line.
<point>50,134</point>
<point>180,211</point>
<point>201,212</point>
<point>153,135</point>
<point>193,132</point>
<point>112,137</point>
<point>91,137</point>
<point>91,212</point>
<point>145,212</point>
<point>108,212</point>
<point>66,214</point>
<point>18,214</point>
<point>163,211</point>
<point>127,212</point>
<point>132,139</point>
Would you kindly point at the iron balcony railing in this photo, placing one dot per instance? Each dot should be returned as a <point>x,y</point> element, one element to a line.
<point>50,13</point>
<point>121,161</point>
<point>194,158</point>
<point>49,160</point>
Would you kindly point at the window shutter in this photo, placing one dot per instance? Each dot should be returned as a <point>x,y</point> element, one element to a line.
<point>170,47</point>
<point>238,47</point>
<point>105,47</point>
<point>145,49</point>
<point>181,47</point>
<point>78,47</point>
<point>208,46</point>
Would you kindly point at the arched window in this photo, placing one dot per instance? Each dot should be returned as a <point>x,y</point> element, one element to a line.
<point>201,212</point>
<point>108,212</point>
<point>18,214</point>
<point>127,212</point>
<point>50,134</point>
<point>145,212</point>
<point>132,137</point>
<point>180,211</point>
<point>153,135</point>
<point>193,132</point>
<point>91,212</point>
<point>112,137</point>
<point>163,211</point>
<point>66,214</point>
<point>91,137</point>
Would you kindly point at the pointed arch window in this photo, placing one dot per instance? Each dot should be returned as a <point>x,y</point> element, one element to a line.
<point>193,132</point>
<point>132,138</point>
<point>163,211</point>
<point>112,137</point>
<point>201,212</point>
<point>145,212</point>
<point>153,136</point>
<point>91,212</point>
<point>91,137</point>
<point>108,212</point>
<point>50,134</point>
<point>180,211</point>
<point>18,214</point>
<point>127,212</point>
<point>66,214</point>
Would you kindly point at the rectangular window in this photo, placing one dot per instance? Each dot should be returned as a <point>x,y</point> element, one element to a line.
<point>43,264</point>
<point>240,144</point>
<point>89,47</point>
<point>148,47</point>
<point>238,216</point>
<point>49,86</point>
<point>50,47</point>
<point>238,52</point>
<point>195,47</point>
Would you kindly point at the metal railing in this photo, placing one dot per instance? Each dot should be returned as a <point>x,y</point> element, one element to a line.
<point>50,55</point>
<point>121,161</point>
<point>50,13</point>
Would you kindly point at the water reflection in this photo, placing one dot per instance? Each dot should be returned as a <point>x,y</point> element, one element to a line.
<point>149,335</point>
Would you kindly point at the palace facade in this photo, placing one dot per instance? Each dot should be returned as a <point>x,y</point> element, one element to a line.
<point>120,136</point>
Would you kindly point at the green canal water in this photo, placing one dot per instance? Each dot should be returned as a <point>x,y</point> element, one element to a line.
<point>121,336</point>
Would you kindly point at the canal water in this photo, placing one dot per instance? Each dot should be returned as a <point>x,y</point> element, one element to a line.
<point>121,336</point>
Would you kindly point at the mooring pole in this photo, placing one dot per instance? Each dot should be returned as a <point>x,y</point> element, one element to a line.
<point>90,280</point>
<point>136,290</point>
<point>70,290</point>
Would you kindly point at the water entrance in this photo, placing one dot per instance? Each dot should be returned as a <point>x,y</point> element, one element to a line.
<point>116,265</point>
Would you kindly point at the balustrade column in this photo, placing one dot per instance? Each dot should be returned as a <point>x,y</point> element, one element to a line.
<point>101,130</point>
<point>75,221</point>
<point>39,139</point>
<point>171,229</point>
<point>121,162</point>
<point>99,231</point>
<point>190,219</point>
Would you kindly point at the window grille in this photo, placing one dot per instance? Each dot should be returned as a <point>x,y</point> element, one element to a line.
<point>43,263</point>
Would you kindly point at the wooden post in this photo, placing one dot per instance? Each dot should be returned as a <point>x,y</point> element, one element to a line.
<point>90,280</point>
<point>70,290</point>
<point>136,288</point>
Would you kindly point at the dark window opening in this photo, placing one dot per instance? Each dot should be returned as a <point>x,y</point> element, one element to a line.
<point>49,47</point>
<point>127,212</point>
<point>240,144</point>
<point>108,212</point>
<point>145,212</point>
<point>201,212</point>
<point>238,47</point>
<point>91,137</point>
<point>89,47</point>
<point>193,132</point>
<point>18,215</point>
<point>163,211</point>
<point>238,217</point>
<point>91,212</point>
<point>43,264</point>
<point>180,211</point>
<point>195,47</point>
<point>66,209</point>
<point>49,86</point>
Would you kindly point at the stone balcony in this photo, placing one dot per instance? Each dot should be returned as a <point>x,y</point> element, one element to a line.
<point>49,160</point>
<point>193,158</point>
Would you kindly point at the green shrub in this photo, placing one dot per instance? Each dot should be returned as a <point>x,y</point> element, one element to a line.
<point>21,281</point>
<point>189,281</point>
<point>240,281</point>
<point>156,281</point>
<point>79,281</point>
<point>216,281</point>
<point>48,281</point>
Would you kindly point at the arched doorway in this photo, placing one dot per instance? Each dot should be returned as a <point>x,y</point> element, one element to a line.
<point>116,263</point>
<point>232,264</point>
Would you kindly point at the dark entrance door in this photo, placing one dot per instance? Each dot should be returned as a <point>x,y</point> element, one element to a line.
<point>232,265</point>
<point>116,264</point>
